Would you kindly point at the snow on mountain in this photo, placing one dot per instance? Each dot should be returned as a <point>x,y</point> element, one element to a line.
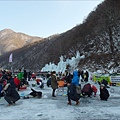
<point>97,38</point>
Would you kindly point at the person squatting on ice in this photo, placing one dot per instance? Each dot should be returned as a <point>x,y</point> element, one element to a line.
<point>104,94</point>
<point>10,94</point>
<point>54,83</point>
<point>72,92</point>
<point>88,89</point>
<point>105,82</point>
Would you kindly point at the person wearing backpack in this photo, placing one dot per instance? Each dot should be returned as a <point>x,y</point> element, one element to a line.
<point>72,92</point>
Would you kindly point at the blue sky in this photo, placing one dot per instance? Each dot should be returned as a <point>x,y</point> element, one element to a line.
<point>44,17</point>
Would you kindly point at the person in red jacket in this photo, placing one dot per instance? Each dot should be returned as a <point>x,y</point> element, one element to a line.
<point>17,82</point>
<point>94,89</point>
<point>88,89</point>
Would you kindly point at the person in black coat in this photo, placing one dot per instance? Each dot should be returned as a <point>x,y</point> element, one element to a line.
<point>11,95</point>
<point>72,94</point>
<point>25,75</point>
<point>105,82</point>
<point>4,75</point>
<point>29,75</point>
<point>49,81</point>
<point>82,75</point>
<point>10,80</point>
<point>34,94</point>
<point>104,94</point>
<point>68,78</point>
<point>86,76</point>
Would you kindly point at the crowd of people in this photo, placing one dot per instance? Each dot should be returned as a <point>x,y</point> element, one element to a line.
<point>74,89</point>
<point>10,85</point>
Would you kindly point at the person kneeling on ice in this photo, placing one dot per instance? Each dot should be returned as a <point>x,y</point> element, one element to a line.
<point>87,90</point>
<point>72,89</point>
<point>94,90</point>
<point>34,93</point>
<point>104,94</point>
<point>10,94</point>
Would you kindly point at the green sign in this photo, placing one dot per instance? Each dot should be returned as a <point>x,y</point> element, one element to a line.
<point>98,78</point>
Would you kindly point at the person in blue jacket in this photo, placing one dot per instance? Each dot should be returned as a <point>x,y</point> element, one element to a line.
<point>75,80</point>
<point>72,93</point>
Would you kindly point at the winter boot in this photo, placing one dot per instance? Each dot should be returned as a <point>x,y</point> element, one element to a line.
<point>69,103</point>
<point>9,105</point>
<point>53,94</point>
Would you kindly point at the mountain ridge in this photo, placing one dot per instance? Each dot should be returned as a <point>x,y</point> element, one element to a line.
<point>11,40</point>
<point>97,38</point>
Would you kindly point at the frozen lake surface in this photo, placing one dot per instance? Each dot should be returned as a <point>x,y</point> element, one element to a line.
<point>48,108</point>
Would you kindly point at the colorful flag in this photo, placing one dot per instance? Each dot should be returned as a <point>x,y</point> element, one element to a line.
<point>10,57</point>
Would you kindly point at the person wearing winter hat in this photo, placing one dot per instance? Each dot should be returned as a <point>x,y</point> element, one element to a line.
<point>104,94</point>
